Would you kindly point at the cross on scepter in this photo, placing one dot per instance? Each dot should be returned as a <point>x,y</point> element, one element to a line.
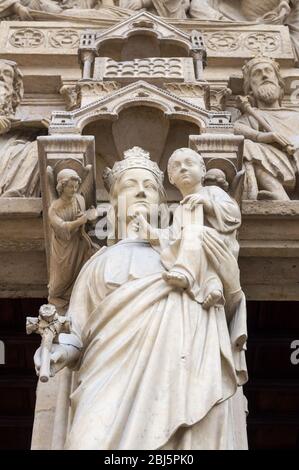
<point>49,325</point>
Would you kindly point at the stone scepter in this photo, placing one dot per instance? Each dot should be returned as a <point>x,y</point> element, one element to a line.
<point>245,106</point>
<point>49,325</point>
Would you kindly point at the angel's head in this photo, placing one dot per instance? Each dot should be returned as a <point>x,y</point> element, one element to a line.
<point>68,182</point>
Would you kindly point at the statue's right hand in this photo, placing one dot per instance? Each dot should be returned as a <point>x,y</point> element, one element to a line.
<point>58,359</point>
<point>22,12</point>
<point>134,4</point>
<point>82,218</point>
<point>268,138</point>
<point>5,124</point>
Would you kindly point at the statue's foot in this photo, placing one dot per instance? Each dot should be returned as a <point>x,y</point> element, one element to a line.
<point>265,196</point>
<point>212,299</point>
<point>271,196</point>
<point>175,279</point>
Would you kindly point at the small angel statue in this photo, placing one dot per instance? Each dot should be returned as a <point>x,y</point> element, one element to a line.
<point>70,245</point>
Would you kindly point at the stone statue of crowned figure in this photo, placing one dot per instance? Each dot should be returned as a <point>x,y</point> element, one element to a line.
<point>158,326</point>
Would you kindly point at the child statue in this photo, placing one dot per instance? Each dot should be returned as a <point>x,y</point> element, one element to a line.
<point>202,209</point>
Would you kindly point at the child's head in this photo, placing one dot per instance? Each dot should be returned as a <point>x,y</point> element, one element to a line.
<point>216,177</point>
<point>186,169</point>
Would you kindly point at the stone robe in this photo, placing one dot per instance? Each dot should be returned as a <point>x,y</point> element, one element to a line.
<point>48,9</point>
<point>19,175</point>
<point>6,7</point>
<point>39,5</point>
<point>283,121</point>
<point>69,249</point>
<point>156,370</point>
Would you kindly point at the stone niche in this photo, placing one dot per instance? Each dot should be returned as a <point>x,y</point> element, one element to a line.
<point>141,36</point>
<point>138,114</point>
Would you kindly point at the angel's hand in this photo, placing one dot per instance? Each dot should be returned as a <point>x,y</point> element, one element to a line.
<point>81,218</point>
<point>92,213</point>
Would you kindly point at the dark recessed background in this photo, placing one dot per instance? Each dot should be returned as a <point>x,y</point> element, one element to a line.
<point>272,392</point>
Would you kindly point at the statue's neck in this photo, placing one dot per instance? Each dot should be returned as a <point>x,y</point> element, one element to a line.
<point>191,189</point>
<point>68,199</point>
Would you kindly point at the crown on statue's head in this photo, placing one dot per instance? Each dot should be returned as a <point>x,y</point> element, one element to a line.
<point>258,59</point>
<point>135,157</point>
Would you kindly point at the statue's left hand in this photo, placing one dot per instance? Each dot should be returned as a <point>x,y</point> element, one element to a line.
<point>5,124</point>
<point>22,12</point>
<point>278,15</point>
<point>224,262</point>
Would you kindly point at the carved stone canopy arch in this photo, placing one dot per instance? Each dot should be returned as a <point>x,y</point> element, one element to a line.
<point>137,94</point>
<point>138,114</point>
<point>123,41</point>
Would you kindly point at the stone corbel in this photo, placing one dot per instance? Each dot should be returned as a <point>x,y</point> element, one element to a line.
<point>226,146</point>
<point>90,91</point>
<point>218,98</point>
<point>63,151</point>
<point>196,93</point>
<point>222,152</point>
<point>71,96</point>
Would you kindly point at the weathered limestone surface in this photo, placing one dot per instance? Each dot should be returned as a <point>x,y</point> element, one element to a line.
<point>176,83</point>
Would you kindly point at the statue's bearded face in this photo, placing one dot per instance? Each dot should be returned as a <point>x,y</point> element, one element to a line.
<point>6,88</point>
<point>264,83</point>
<point>137,192</point>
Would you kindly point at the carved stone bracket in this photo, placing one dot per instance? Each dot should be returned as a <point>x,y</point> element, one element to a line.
<point>70,95</point>
<point>218,98</point>
<point>228,147</point>
<point>89,91</point>
<point>196,93</point>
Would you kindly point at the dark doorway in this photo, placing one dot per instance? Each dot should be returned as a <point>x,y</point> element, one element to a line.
<point>273,388</point>
<point>272,391</point>
<point>17,375</point>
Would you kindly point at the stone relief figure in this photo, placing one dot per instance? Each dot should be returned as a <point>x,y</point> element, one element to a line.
<point>19,176</point>
<point>164,8</point>
<point>156,370</point>
<point>70,245</point>
<point>266,12</point>
<point>270,131</point>
<point>83,9</point>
